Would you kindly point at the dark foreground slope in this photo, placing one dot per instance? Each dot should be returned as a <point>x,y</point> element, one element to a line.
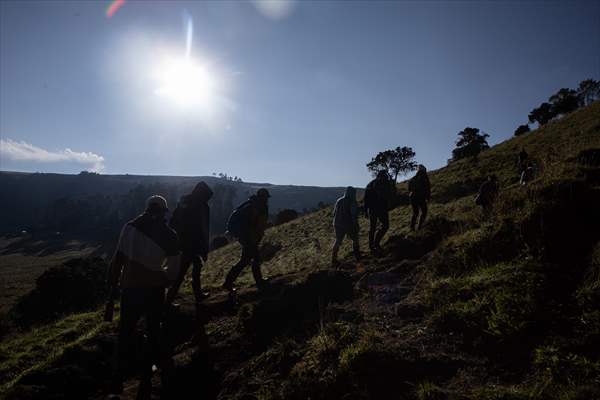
<point>467,308</point>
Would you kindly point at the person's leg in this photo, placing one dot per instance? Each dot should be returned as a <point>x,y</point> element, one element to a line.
<point>372,228</point>
<point>131,313</point>
<point>423,207</point>
<point>355,245</point>
<point>237,268</point>
<point>174,289</point>
<point>154,349</point>
<point>196,283</point>
<point>415,214</point>
<point>256,272</point>
<point>339,237</point>
<point>385,225</point>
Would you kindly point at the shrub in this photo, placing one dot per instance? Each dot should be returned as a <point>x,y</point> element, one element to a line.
<point>77,285</point>
<point>285,215</point>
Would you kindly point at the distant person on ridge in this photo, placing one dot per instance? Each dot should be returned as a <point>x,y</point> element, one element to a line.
<point>379,194</point>
<point>248,223</point>
<point>345,222</point>
<point>191,222</point>
<point>487,194</point>
<point>420,193</point>
<point>522,161</point>
<point>145,244</point>
<point>527,174</point>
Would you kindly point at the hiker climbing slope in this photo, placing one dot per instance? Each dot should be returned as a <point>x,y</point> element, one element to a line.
<point>248,223</point>
<point>345,222</point>
<point>379,194</point>
<point>420,193</point>
<point>191,222</point>
<point>487,194</point>
<point>137,269</point>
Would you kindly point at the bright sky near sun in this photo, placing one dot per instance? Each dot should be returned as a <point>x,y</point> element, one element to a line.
<point>272,91</point>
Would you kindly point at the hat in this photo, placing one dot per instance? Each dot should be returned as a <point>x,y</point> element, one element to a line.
<point>156,203</point>
<point>264,193</point>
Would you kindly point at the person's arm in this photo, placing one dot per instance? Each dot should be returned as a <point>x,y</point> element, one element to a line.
<point>173,256</point>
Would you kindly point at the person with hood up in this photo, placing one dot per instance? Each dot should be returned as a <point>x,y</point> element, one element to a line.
<point>379,194</point>
<point>248,223</point>
<point>420,193</point>
<point>191,221</point>
<point>345,222</point>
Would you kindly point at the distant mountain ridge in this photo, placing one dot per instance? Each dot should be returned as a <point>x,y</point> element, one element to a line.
<point>40,200</point>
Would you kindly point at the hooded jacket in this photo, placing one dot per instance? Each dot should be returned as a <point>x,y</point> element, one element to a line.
<point>419,186</point>
<point>345,213</point>
<point>379,194</point>
<point>191,221</point>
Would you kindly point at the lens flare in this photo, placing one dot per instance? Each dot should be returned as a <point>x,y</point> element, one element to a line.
<point>114,7</point>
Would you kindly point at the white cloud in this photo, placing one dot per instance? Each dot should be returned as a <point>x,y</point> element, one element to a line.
<point>22,151</point>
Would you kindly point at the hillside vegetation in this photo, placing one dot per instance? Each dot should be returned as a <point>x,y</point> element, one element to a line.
<point>504,307</point>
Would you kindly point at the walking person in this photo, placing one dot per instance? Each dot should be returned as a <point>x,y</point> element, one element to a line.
<point>379,194</point>
<point>522,160</point>
<point>137,269</point>
<point>248,223</point>
<point>345,222</point>
<point>487,195</point>
<point>191,221</point>
<point>420,193</point>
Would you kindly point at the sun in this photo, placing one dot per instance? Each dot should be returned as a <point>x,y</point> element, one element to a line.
<point>186,83</point>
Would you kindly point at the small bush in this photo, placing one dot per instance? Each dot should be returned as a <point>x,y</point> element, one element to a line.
<point>285,215</point>
<point>77,285</point>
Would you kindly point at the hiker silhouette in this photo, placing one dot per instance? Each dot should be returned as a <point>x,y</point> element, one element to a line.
<point>420,193</point>
<point>136,268</point>
<point>191,222</point>
<point>248,223</point>
<point>345,222</point>
<point>379,194</point>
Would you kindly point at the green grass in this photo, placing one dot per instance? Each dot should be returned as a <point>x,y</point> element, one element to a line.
<point>35,350</point>
<point>484,280</point>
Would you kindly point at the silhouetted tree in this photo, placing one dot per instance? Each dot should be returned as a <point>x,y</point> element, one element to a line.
<point>542,115</point>
<point>470,143</point>
<point>564,101</point>
<point>522,129</point>
<point>397,161</point>
<point>588,92</point>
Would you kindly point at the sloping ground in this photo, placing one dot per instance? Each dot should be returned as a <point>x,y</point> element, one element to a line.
<point>467,308</point>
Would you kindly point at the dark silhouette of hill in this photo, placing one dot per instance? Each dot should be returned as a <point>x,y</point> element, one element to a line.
<point>96,204</point>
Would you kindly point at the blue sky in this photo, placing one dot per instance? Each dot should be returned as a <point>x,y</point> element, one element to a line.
<point>307,96</point>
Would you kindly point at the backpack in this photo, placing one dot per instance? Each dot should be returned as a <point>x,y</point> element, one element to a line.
<point>237,219</point>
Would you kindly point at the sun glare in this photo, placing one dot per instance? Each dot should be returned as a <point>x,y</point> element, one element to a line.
<point>186,83</point>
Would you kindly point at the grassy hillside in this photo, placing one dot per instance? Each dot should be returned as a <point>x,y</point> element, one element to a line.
<point>467,308</point>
